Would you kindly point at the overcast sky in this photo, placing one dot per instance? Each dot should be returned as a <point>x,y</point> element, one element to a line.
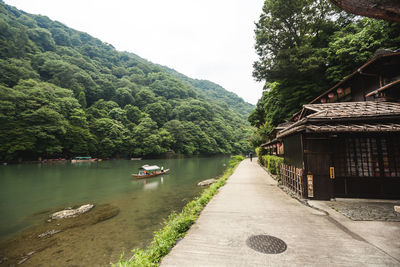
<point>203,39</point>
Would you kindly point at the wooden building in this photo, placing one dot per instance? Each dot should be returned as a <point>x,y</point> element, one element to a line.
<point>346,142</point>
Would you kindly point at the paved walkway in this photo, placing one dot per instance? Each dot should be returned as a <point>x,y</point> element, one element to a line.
<point>251,204</point>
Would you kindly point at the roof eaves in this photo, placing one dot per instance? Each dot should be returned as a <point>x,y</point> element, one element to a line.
<point>359,70</point>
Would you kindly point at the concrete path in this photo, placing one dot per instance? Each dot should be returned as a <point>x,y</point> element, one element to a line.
<point>252,204</point>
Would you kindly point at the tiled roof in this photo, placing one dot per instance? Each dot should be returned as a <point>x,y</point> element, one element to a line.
<point>355,127</point>
<point>347,117</point>
<point>352,109</point>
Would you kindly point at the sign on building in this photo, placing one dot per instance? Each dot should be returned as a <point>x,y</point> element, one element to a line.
<point>310,185</point>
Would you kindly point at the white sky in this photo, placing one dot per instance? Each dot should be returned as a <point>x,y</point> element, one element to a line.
<point>203,39</point>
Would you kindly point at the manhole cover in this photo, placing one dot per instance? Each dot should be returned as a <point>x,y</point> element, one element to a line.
<point>266,244</point>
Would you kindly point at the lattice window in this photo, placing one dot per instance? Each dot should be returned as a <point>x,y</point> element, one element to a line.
<point>369,157</point>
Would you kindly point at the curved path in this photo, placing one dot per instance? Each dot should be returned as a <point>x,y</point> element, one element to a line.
<point>251,204</point>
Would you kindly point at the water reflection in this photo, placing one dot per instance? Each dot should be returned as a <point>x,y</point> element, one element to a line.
<point>150,185</point>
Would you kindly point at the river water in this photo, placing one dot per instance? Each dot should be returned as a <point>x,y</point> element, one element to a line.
<point>30,192</point>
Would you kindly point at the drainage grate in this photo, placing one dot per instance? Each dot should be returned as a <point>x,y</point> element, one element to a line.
<point>266,244</point>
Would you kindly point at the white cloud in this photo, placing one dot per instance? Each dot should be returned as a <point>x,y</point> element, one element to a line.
<point>208,39</point>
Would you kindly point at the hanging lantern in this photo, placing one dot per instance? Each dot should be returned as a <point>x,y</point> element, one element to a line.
<point>339,90</point>
<point>331,95</point>
<point>323,100</point>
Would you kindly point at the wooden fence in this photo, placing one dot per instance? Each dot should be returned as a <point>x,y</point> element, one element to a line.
<point>292,178</point>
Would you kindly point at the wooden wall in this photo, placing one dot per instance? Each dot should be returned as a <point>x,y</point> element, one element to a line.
<point>317,161</point>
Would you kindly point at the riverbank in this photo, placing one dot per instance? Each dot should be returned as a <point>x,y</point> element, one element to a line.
<point>177,225</point>
<point>65,159</point>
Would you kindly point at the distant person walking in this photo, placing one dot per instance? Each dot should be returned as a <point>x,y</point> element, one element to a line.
<point>251,156</point>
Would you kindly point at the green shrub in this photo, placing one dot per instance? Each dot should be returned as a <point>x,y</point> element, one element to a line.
<point>260,153</point>
<point>273,164</point>
<point>264,160</point>
<point>177,225</point>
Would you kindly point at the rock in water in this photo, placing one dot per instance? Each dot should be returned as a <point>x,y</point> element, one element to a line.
<point>397,209</point>
<point>51,234</point>
<point>207,182</point>
<point>71,212</point>
<point>47,233</point>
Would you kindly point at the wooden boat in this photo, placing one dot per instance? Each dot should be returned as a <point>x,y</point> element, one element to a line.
<point>83,159</point>
<point>147,171</point>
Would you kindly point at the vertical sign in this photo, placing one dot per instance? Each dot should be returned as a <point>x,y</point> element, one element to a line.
<point>310,185</point>
<point>332,172</point>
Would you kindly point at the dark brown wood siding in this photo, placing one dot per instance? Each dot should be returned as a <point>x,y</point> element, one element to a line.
<point>293,150</point>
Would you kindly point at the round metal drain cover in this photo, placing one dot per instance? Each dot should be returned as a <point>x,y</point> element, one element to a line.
<point>266,244</point>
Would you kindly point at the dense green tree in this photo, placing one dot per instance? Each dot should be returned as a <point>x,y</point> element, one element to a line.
<point>82,99</point>
<point>118,114</point>
<point>123,96</point>
<point>158,112</point>
<point>356,43</point>
<point>133,113</point>
<point>290,41</point>
<point>145,97</point>
<point>36,117</point>
<point>60,36</point>
<point>193,110</point>
<point>110,135</point>
<point>12,70</point>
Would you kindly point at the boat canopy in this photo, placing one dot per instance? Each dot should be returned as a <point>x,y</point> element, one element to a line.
<point>150,168</point>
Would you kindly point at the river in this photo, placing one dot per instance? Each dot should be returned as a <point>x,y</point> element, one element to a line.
<point>30,192</point>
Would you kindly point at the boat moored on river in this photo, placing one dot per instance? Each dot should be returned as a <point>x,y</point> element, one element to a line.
<point>147,171</point>
<point>83,159</point>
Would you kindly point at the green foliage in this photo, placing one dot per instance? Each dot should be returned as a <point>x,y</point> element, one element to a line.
<point>12,70</point>
<point>40,119</point>
<point>260,152</point>
<point>177,225</point>
<point>82,99</point>
<point>355,44</point>
<point>64,93</point>
<point>273,164</point>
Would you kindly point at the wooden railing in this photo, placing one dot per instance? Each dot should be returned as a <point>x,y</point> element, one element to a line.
<point>292,178</point>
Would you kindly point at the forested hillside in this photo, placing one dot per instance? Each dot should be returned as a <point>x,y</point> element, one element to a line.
<point>214,92</point>
<point>65,93</point>
<point>304,48</point>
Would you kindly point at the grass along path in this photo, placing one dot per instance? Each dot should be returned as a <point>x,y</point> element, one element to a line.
<point>177,225</point>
